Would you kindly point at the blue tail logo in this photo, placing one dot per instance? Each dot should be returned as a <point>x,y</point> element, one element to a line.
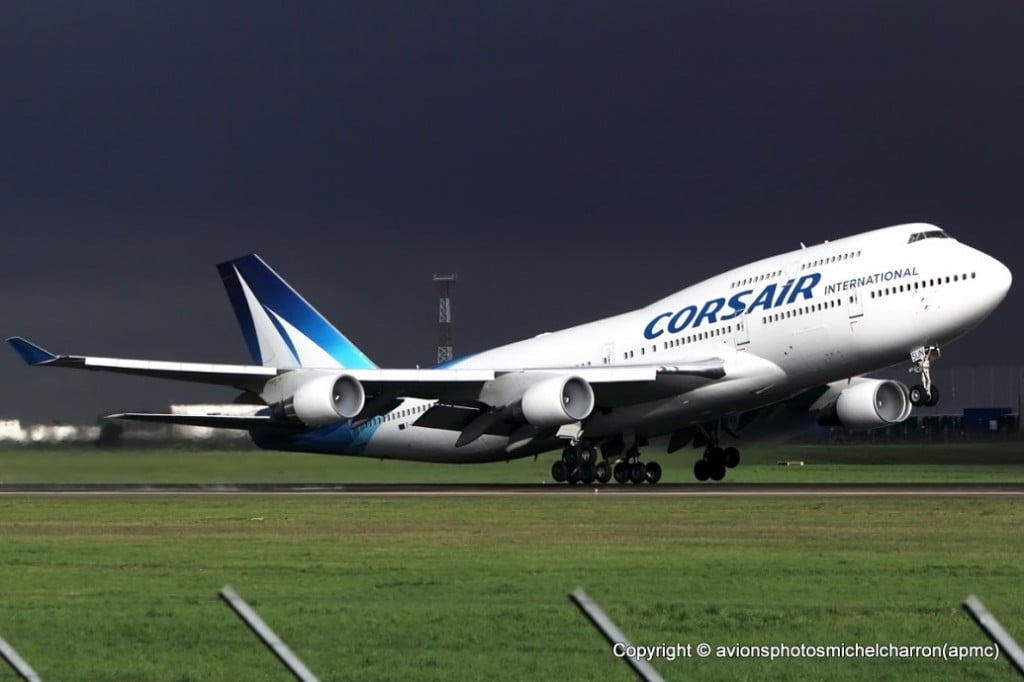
<point>281,328</point>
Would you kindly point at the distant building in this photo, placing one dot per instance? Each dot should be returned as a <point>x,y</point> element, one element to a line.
<point>11,431</point>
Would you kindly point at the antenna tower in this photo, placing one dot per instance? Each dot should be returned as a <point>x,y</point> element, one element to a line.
<point>444,318</point>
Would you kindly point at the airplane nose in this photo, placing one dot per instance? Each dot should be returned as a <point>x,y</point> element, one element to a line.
<point>994,281</point>
<point>1001,278</point>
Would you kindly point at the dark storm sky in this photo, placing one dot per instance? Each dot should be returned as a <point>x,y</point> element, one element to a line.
<point>568,159</point>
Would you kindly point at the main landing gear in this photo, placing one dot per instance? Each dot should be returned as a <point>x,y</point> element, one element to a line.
<point>926,393</point>
<point>714,463</point>
<point>579,464</point>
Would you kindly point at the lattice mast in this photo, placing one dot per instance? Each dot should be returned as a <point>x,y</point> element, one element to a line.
<point>444,318</point>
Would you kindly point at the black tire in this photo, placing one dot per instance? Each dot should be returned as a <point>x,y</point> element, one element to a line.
<point>917,395</point>
<point>636,473</point>
<point>571,457</point>
<point>588,454</point>
<point>716,471</point>
<point>701,470</point>
<point>573,476</point>
<point>934,399</point>
<point>604,472</point>
<point>621,472</point>
<point>559,471</point>
<point>652,472</point>
<point>732,458</point>
<point>587,473</point>
<point>715,456</point>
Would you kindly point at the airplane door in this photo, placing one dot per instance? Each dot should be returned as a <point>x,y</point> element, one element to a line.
<point>854,304</point>
<point>742,330</point>
<point>608,353</point>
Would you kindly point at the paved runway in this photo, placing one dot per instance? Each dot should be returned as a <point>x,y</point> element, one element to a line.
<point>536,490</point>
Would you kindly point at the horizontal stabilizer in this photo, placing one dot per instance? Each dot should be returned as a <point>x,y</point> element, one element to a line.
<point>217,421</point>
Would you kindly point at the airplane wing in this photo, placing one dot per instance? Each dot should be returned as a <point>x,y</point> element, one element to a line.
<point>245,377</point>
<point>473,401</point>
<point>612,385</point>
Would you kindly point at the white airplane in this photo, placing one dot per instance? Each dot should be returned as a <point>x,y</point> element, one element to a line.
<point>779,341</point>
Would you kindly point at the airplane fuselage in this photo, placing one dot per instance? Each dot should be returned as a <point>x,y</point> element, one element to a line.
<point>781,325</point>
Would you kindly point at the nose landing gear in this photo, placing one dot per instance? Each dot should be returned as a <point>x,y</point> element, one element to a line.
<point>926,393</point>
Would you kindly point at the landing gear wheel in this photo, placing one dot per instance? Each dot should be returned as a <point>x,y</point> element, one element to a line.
<point>652,472</point>
<point>637,473</point>
<point>587,473</point>
<point>701,470</point>
<point>716,471</point>
<point>571,457</point>
<point>732,457</point>
<point>934,399</point>
<point>918,397</point>
<point>621,472</point>
<point>604,472</point>
<point>588,455</point>
<point>573,476</point>
<point>715,456</point>
<point>559,471</point>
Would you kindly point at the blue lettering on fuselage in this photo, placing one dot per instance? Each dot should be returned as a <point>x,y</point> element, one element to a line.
<point>737,304</point>
<point>676,324</point>
<point>764,299</point>
<point>867,280</point>
<point>769,297</point>
<point>710,311</point>
<point>649,330</point>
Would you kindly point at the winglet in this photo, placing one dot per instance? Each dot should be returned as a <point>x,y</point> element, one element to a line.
<point>30,352</point>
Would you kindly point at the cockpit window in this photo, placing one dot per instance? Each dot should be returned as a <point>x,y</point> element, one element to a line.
<point>930,234</point>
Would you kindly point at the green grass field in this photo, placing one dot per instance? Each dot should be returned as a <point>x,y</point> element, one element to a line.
<point>965,462</point>
<point>114,588</point>
<point>124,588</point>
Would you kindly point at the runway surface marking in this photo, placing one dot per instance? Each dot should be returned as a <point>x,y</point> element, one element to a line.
<point>518,490</point>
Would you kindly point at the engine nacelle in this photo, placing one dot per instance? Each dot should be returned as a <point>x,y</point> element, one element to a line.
<point>326,400</point>
<point>868,405</point>
<point>557,401</point>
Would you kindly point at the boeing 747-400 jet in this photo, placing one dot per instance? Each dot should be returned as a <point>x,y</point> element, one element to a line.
<point>781,340</point>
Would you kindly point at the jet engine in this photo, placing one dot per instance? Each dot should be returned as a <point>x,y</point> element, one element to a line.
<point>326,400</point>
<point>868,404</point>
<point>557,401</point>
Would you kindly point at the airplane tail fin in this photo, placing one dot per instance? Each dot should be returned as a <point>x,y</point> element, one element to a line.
<point>280,327</point>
